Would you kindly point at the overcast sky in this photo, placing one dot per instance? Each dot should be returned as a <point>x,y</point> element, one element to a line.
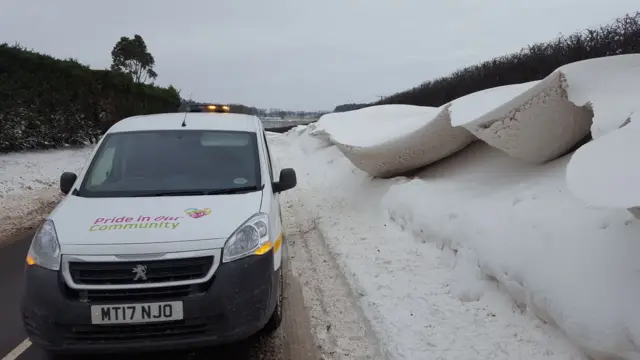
<point>298,54</point>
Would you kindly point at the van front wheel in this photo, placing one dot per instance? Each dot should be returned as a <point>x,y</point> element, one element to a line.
<point>276,318</point>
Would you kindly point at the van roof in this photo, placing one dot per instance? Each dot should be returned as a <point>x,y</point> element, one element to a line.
<point>194,121</point>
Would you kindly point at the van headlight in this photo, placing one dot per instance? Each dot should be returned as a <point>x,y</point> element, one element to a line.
<point>45,248</point>
<point>251,238</point>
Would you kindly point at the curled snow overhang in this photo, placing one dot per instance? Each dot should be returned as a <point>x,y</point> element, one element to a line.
<point>433,141</point>
<point>537,125</point>
<point>610,84</point>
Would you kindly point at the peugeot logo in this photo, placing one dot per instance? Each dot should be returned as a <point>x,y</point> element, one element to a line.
<point>140,271</point>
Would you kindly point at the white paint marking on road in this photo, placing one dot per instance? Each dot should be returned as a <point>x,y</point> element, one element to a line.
<point>13,355</point>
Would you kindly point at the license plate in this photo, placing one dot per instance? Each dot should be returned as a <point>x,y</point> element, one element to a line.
<point>136,313</point>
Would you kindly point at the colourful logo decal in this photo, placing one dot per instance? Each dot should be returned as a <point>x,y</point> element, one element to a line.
<point>197,213</point>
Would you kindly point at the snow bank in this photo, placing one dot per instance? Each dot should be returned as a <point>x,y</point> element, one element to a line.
<point>318,132</point>
<point>409,289</point>
<point>537,125</point>
<point>300,128</point>
<point>611,85</point>
<point>443,240</point>
<point>605,172</point>
<point>29,185</point>
<point>571,266</point>
<point>497,220</point>
<point>390,139</point>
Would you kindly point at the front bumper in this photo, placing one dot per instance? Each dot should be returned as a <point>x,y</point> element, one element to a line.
<point>235,304</point>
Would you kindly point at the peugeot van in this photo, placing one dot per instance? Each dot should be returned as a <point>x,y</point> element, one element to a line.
<point>170,237</point>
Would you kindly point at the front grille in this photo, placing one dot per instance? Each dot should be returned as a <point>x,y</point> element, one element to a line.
<point>129,333</point>
<point>123,273</point>
<point>138,294</point>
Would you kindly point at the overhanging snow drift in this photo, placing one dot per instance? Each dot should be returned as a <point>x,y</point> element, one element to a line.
<point>391,139</point>
<point>537,125</point>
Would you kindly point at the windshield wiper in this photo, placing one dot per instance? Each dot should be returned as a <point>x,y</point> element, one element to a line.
<point>172,193</point>
<point>237,190</point>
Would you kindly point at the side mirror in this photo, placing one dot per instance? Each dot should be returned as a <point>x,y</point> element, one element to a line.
<point>288,180</point>
<point>67,179</point>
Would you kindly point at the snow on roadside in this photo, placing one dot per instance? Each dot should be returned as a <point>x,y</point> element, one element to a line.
<point>572,266</point>
<point>403,284</point>
<point>29,184</point>
<point>340,329</point>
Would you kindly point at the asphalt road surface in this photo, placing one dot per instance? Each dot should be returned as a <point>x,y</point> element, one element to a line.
<point>293,341</point>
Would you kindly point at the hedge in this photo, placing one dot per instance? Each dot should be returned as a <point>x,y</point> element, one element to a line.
<point>534,62</point>
<point>48,103</point>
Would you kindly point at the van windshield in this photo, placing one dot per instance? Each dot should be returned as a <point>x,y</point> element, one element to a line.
<point>165,163</point>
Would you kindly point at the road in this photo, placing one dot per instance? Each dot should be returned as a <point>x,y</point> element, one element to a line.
<point>293,341</point>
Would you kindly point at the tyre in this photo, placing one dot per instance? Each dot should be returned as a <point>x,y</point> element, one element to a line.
<point>276,317</point>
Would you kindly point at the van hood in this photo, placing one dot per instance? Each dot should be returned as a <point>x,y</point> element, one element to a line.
<point>145,220</point>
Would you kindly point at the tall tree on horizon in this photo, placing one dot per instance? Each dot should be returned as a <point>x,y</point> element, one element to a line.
<point>131,56</point>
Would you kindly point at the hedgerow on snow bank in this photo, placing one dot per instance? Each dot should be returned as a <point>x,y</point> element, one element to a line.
<point>532,63</point>
<point>47,102</point>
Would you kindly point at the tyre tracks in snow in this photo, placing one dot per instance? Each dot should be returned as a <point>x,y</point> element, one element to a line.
<point>337,321</point>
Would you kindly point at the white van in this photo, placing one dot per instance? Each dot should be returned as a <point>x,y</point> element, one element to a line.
<point>170,237</point>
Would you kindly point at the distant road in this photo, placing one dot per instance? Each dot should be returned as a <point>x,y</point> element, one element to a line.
<point>270,124</point>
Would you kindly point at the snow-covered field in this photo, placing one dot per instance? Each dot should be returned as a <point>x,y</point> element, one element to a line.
<point>502,247</point>
<point>29,185</point>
